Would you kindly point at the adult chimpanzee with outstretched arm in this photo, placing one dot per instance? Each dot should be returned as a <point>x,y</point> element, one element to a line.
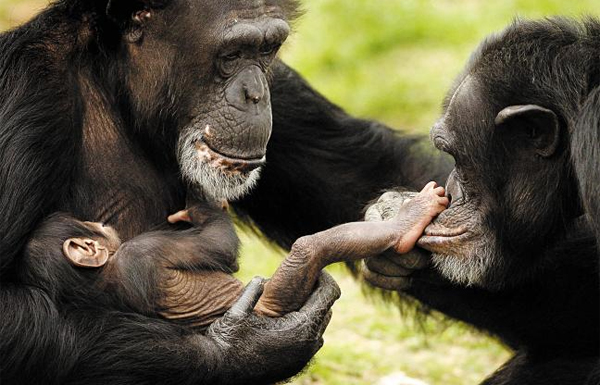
<point>109,110</point>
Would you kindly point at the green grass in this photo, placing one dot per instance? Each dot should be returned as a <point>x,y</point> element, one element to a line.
<point>390,60</point>
<point>394,60</point>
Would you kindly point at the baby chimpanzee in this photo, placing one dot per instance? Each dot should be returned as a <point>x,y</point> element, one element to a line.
<point>191,269</point>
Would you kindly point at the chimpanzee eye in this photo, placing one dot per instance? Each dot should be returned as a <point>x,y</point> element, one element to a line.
<point>269,49</point>
<point>231,56</point>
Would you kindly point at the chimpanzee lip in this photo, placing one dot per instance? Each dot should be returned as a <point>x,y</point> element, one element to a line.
<point>233,163</point>
<point>446,232</point>
<point>233,158</point>
<point>440,238</point>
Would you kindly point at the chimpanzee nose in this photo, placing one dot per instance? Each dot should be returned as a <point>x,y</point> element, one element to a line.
<point>454,191</point>
<point>248,90</point>
<point>254,89</point>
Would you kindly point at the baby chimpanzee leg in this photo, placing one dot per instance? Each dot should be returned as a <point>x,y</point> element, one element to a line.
<point>294,280</point>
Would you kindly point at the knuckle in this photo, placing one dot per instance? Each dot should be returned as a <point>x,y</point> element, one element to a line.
<point>373,214</point>
<point>370,263</point>
<point>412,261</point>
<point>389,195</point>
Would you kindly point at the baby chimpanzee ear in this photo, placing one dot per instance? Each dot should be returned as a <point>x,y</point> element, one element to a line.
<point>83,252</point>
<point>541,124</point>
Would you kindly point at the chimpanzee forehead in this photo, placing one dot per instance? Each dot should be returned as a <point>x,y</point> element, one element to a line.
<point>244,9</point>
<point>465,106</point>
<point>467,123</point>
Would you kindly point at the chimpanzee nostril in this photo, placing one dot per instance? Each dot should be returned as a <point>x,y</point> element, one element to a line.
<point>454,191</point>
<point>253,94</point>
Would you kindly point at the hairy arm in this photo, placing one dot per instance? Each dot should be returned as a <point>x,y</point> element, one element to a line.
<point>35,164</point>
<point>323,165</point>
<point>43,341</point>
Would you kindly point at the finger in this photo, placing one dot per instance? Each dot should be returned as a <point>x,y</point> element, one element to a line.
<point>325,323</point>
<point>224,205</point>
<point>440,191</point>
<point>384,282</point>
<point>384,266</point>
<point>321,331</point>
<point>444,201</point>
<point>322,299</point>
<point>416,259</point>
<point>429,186</point>
<point>408,195</point>
<point>180,216</point>
<point>325,279</point>
<point>373,214</point>
<point>390,210</point>
<point>312,331</point>
<point>390,196</point>
<point>245,304</point>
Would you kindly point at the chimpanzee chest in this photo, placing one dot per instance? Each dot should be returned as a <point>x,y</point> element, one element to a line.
<point>132,198</point>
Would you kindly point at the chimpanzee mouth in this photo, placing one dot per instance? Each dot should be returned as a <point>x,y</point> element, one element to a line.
<point>217,175</point>
<point>225,162</point>
<point>440,239</point>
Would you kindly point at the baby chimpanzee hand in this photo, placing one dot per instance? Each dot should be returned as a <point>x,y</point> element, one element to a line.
<point>199,213</point>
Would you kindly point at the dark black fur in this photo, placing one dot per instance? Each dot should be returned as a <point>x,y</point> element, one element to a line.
<point>323,166</point>
<point>542,298</point>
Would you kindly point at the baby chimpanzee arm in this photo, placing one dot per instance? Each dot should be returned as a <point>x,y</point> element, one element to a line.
<point>190,270</point>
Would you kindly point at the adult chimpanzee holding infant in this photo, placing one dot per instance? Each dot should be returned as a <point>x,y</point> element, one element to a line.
<point>105,102</point>
<point>180,283</point>
<point>109,111</point>
<point>516,251</point>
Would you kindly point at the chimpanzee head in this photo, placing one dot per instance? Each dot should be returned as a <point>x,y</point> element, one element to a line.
<point>194,76</point>
<point>506,122</point>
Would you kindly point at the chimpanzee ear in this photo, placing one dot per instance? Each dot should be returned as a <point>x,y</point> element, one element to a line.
<point>82,252</point>
<point>541,124</point>
<point>132,15</point>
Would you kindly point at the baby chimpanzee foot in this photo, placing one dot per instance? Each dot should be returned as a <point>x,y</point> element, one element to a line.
<point>417,213</point>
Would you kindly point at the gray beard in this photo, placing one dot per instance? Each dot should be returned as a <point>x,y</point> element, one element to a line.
<point>215,183</point>
<point>465,271</point>
<point>474,268</point>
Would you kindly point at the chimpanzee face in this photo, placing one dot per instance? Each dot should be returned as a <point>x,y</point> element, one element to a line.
<point>507,188</point>
<point>202,67</point>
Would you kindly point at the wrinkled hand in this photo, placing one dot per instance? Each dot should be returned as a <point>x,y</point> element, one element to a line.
<point>262,350</point>
<point>392,271</point>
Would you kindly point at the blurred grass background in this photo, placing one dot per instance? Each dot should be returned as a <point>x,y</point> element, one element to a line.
<point>390,60</point>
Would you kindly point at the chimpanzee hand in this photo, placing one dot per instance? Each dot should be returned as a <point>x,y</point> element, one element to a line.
<point>262,350</point>
<point>392,271</point>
